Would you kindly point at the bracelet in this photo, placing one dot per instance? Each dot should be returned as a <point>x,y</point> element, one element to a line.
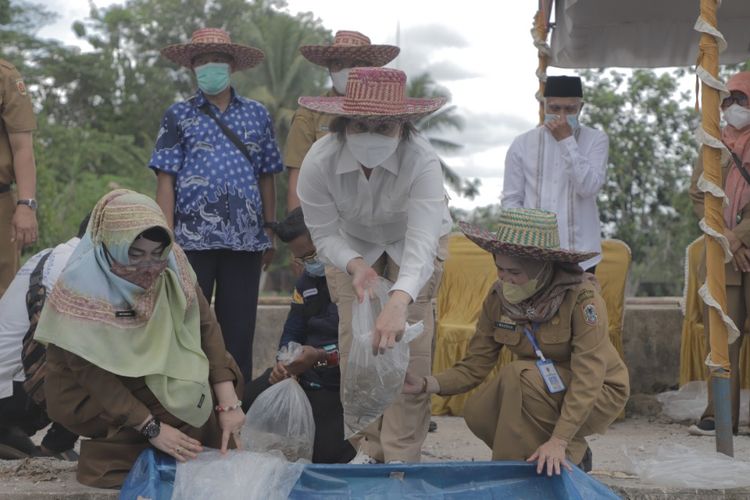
<point>235,406</point>
<point>424,385</point>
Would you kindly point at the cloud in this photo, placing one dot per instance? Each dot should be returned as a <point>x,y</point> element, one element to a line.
<point>433,48</point>
<point>432,37</point>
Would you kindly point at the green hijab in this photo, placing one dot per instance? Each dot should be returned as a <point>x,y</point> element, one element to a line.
<point>123,328</point>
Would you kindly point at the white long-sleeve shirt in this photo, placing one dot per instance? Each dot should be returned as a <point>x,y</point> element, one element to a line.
<point>563,177</point>
<point>401,210</point>
<point>14,317</point>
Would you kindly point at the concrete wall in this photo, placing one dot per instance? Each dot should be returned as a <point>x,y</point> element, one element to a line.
<point>651,341</point>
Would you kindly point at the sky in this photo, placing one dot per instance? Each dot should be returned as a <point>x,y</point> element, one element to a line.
<point>484,57</point>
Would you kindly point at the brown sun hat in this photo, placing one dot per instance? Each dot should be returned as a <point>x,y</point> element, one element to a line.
<point>374,93</point>
<point>528,233</point>
<point>213,40</point>
<point>350,45</point>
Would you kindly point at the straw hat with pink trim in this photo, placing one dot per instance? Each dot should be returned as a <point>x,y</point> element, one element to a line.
<point>351,45</point>
<point>374,93</point>
<point>528,233</point>
<point>213,40</point>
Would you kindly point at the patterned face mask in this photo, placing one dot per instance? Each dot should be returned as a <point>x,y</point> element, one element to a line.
<point>143,274</point>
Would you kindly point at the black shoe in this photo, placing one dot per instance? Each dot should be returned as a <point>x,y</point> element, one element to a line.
<point>15,444</point>
<point>432,427</point>
<point>67,455</point>
<point>587,462</point>
<point>706,427</point>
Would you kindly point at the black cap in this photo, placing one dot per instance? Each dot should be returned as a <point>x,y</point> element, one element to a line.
<point>563,86</point>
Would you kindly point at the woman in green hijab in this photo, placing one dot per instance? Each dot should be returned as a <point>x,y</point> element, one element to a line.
<point>134,353</point>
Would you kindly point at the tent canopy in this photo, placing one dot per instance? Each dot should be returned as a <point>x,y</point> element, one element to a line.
<point>641,33</point>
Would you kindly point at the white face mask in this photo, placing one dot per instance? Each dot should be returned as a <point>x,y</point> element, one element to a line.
<point>737,116</point>
<point>339,79</point>
<point>371,149</point>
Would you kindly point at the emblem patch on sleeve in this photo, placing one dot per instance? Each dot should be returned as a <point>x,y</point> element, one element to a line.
<point>21,87</point>
<point>589,314</point>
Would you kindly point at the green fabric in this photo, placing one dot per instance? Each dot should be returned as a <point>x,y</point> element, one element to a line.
<point>158,337</point>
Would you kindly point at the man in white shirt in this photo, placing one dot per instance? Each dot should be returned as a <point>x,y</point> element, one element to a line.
<point>20,417</point>
<point>560,167</point>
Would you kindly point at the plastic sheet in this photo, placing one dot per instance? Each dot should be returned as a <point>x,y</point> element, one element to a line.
<point>371,383</point>
<point>678,466</point>
<point>689,402</point>
<point>151,478</point>
<point>238,475</point>
<point>281,417</point>
<point>445,480</point>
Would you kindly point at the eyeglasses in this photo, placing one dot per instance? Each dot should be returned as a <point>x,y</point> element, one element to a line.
<point>740,99</point>
<point>307,258</point>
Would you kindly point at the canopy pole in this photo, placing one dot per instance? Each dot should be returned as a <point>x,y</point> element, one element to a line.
<point>539,33</point>
<point>718,360</point>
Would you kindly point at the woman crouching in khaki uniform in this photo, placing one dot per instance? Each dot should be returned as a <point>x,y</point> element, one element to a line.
<point>567,381</point>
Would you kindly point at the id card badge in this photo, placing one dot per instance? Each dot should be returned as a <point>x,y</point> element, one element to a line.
<point>550,376</point>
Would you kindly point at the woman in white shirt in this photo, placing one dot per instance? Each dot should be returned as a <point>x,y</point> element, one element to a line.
<point>373,198</point>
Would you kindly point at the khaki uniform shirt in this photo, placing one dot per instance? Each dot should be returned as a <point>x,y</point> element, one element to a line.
<point>575,338</point>
<point>307,127</point>
<point>123,397</point>
<point>17,115</point>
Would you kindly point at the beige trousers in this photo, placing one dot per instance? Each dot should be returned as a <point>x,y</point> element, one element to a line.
<point>9,255</point>
<point>400,432</point>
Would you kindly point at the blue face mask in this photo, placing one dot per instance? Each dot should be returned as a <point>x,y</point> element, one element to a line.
<point>315,268</point>
<point>572,120</point>
<point>212,77</point>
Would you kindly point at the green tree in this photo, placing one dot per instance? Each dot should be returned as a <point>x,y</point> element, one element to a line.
<point>644,201</point>
<point>444,119</point>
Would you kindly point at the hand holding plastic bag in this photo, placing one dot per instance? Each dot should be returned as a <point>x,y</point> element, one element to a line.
<point>371,383</point>
<point>281,417</point>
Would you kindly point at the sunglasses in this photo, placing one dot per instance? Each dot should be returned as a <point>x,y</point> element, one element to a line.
<point>307,258</point>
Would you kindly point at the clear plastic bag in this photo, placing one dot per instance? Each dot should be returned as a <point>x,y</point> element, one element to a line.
<point>281,418</point>
<point>688,403</point>
<point>678,466</point>
<point>238,475</point>
<point>371,383</point>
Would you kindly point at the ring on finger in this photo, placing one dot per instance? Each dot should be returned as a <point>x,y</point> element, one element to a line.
<point>178,450</point>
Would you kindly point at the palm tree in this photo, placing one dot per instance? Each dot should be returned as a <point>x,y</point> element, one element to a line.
<point>445,118</point>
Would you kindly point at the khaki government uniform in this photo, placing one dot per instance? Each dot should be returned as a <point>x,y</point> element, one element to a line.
<point>514,413</point>
<point>307,127</point>
<point>17,116</point>
<point>400,432</point>
<point>737,286</point>
<point>105,407</point>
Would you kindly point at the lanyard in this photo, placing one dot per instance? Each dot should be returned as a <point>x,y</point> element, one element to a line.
<point>532,339</point>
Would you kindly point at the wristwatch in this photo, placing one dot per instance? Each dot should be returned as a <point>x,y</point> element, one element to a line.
<point>151,429</point>
<point>30,202</point>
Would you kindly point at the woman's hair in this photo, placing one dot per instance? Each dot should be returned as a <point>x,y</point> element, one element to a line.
<point>156,234</point>
<point>293,226</point>
<point>338,127</point>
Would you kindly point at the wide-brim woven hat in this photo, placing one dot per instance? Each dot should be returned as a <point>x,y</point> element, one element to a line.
<point>528,233</point>
<point>374,93</point>
<point>213,40</point>
<point>350,45</point>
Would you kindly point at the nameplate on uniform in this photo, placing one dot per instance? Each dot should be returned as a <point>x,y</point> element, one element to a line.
<point>200,403</point>
<point>310,292</point>
<point>125,314</point>
<point>505,324</point>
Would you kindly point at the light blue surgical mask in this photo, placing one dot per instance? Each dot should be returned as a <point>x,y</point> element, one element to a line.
<point>315,268</point>
<point>213,77</point>
<point>572,120</point>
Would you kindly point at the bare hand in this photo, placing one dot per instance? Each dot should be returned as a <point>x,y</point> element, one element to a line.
<point>231,423</point>
<point>560,128</point>
<point>363,277</point>
<point>741,259</point>
<point>23,227</point>
<point>304,361</point>
<point>268,254</point>
<point>278,373</point>
<point>551,453</point>
<point>412,384</point>
<point>734,241</point>
<point>176,443</point>
<point>390,324</point>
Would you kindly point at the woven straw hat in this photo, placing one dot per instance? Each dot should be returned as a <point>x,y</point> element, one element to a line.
<point>213,40</point>
<point>374,93</point>
<point>350,45</point>
<point>527,233</point>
